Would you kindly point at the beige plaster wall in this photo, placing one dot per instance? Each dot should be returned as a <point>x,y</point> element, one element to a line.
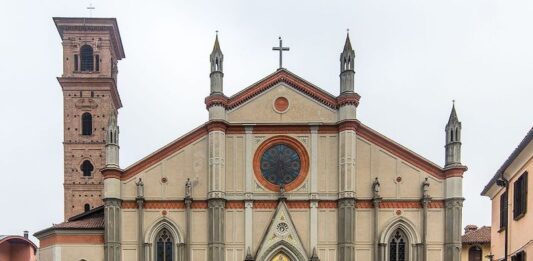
<point>328,163</point>
<point>373,161</point>
<point>77,252</point>
<point>235,163</point>
<point>189,162</point>
<point>261,221</point>
<point>302,109</point>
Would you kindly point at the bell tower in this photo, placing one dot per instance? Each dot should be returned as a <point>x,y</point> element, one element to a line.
<point>92,48</point>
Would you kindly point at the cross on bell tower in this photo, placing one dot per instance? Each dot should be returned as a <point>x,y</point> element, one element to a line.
<point>280,49</point>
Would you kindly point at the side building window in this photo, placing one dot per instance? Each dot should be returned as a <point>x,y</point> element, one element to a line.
<point>87,168</point>
<point>520,256</point>
<point>86,124</point>
<point>87,59</point>
<point>503,210</point>
<point>86,207</point>
<point>520,197</point>
<point>474,254</point>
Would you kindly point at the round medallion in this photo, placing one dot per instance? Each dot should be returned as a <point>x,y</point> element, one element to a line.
<point>281,104</point>
<point>282,228</point>
<point>281,161</point>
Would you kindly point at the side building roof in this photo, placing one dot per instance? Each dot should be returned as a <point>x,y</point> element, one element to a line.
<point>523,144</point>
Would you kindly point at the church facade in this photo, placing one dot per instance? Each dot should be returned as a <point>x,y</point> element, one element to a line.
<point>282,170</point>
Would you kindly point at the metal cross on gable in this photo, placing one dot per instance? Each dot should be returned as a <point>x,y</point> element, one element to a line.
<point>280,49</point>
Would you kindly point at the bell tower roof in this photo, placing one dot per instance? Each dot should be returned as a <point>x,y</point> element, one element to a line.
<point>92,26</point>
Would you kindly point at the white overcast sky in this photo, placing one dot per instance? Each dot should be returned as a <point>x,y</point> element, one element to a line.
<point>413,58</point>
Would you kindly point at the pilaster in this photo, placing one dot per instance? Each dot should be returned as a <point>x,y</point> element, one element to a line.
<point>346,229</point>
<point>452,229</point>
<point>347,177</point>
<point>112,223</point>
<point>216,238</point>
<point>217,155</point>
<point>376,201</point>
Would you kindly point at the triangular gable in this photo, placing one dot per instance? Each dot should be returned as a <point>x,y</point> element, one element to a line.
<point>281,236</point>
<point>281,75</point>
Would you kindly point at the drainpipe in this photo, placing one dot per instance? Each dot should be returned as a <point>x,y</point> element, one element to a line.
<point>503,182</point>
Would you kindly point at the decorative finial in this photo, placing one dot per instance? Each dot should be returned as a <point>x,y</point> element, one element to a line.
<point>216,32</point>
<point>453,101</point>
<point>348,30</point>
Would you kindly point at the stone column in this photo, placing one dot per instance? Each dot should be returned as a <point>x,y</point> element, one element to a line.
<point>216,192</point>
<point>248,201</point>
<point>140,220</point>
<point>112,229</point>
<point>313,196</point>
<point>426,199</point>
<point>188,203</point>
<point>376,202</point>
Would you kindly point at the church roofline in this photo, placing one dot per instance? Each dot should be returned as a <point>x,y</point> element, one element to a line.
<point>362,131</point>
<point>280,75</point>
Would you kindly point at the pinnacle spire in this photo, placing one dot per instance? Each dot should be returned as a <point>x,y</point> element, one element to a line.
<point>453,115</point>
<point>347,44</point>
<point>216,46</point>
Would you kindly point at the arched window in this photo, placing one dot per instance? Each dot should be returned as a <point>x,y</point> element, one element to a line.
<point>87,60</point>
<point>86,124</point>
<point>398,246</point>
<point>164,246</point>
<point>87,168</point>
<point>474,254</point>
<point>86,207</point>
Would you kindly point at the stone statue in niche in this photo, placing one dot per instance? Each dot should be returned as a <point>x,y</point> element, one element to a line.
<point>188,188</point>
<point>140,188</point>
<point>376,187</point>
<point>425,188</point>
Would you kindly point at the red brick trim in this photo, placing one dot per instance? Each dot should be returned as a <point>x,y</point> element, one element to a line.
<point>349,125</point>
<point>282,129</point>
<point>294,144</point>
<point>214,100</point>
<point>56,239</point>
<point>455,171</point>
<point>399,204</point>
<point>235,204</point>
<point>111,173</point>
<point>348,99</point>
<point>272,204</point>
<point>216,126</point>
<point>327,204</point>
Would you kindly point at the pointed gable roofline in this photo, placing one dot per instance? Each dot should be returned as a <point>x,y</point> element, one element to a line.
<point>289,78</point>
<point>362,131</point>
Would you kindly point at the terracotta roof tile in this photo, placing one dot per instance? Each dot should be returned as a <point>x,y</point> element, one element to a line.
<point>482,235</point>
<point>93,219</point>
